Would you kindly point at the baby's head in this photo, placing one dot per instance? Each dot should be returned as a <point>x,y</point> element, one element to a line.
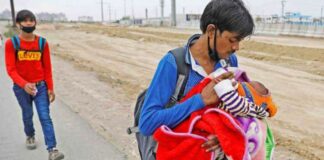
<point>261,95</point>
<point>259,87</point>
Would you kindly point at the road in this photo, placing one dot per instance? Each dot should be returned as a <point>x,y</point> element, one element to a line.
<point>74,135</point>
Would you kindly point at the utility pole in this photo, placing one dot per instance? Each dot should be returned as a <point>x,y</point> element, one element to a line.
<point>133,15</point>
<point>283,9</point>
<point>162,12</point>
<point>173,13</point>
<point>102,14</point>
<point>13,13</point>
<point>109,12</point>
<point>102,3</point>
<point>124,8</point>
<point>322,14</point>
<point>115,15</point>
<point>146,13</point>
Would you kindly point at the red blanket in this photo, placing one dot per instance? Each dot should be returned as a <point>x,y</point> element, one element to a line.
<point>184,141</point>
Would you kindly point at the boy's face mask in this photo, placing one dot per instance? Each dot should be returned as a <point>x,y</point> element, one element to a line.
<point>28,29</point>
<point>213,54</point>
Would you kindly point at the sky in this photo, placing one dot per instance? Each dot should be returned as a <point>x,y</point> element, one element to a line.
<point>75,8</point>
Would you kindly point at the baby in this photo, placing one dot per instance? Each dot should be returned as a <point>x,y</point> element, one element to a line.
<point>240,96</point>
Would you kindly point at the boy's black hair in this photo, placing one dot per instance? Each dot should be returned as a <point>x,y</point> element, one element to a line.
<point>229,15</point>
<point>25,14</point>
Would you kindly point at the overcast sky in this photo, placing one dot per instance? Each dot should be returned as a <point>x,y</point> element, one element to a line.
<point>75,8</point>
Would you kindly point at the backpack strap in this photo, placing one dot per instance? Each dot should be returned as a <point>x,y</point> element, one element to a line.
<point>183,72</point>
<point>41,43</point>
<point>16,42</point>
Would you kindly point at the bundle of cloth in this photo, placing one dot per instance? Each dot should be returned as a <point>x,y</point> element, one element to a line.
<point>238,121</point>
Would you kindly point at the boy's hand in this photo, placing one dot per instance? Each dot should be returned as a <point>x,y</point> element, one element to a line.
<point>209,95</point>
<point>227,75</point>
<point>51,95</point>
<point>212,144</point>
<point>30,88</point>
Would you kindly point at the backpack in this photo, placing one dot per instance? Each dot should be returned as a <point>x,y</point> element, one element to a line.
<point>146,144</point>
<point>16,42</point>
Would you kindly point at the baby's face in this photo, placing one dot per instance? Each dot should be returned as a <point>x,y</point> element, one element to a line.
<point>259,87</point>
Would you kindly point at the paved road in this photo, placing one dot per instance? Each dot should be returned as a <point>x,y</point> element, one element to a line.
<point>74,135</point>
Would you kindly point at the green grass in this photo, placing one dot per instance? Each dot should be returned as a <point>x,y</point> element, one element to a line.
<point>10,31</point>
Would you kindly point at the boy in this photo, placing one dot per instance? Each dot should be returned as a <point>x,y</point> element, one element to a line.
<point>28,64</point>
<point>244,98</point>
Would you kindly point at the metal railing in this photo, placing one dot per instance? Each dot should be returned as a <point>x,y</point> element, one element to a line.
<point>307,30</point>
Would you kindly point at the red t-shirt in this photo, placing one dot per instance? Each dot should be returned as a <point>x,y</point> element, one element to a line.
<point>30,66</point>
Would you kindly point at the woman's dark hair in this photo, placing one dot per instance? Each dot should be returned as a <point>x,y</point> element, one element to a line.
<point>25,14</point>
<point>229,15</point>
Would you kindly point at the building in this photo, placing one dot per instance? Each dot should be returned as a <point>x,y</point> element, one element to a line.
<point>297,18</point>
<point>85,19</point>
<point>267,19</point>
<point>5,15</point>
<point>157,21</point>
<point>51,17</point>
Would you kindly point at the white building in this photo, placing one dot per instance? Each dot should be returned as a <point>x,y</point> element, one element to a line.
<point>267,19</point>
<point>85,19</point>
<point>296,17</point>
<point>51,17</point>
<point>5,15</point>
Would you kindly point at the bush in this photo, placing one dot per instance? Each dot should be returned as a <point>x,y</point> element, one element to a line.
<point>10,31</point>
